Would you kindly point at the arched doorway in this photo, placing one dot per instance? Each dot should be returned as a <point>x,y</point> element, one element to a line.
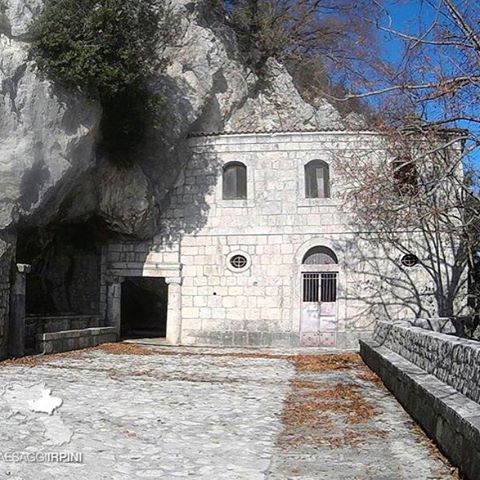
<point>318,324</point>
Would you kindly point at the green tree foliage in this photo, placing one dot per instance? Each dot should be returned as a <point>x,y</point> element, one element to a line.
<point>107,50</point>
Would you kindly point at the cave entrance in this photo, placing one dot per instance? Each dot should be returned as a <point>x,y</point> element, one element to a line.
<point>144,308</point>
<point>64,288</point>
<point>66,269</point>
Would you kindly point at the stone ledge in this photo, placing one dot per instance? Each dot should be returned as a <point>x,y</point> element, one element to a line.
<point>63,317</point>
<point>240,338</point>
<point>38,324</point>
<point>449,417</point>
<point>67,340</point>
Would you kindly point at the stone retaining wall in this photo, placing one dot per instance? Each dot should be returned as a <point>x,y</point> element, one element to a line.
<point>447,416</point>
<point>36,325</point>
<point>68,340</point>
<point>454,361</point>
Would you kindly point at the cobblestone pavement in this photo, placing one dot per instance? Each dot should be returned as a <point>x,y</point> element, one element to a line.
<point>206,414</point>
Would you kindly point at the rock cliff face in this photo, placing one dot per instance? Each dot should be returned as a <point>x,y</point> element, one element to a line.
<point>44,135</point>
<point>50,170</point>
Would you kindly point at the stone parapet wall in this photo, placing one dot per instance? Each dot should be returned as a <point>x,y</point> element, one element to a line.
<point>454,361</point>
<point>57,342</point>
<point>56,323</point>
<point>449,418</point>
<point>37,325</point>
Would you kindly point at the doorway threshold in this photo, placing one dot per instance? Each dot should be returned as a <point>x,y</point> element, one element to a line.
<point>162,341</point>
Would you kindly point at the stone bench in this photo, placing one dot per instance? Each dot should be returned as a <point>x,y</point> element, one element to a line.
<point>67,340</point>
<point>448,417</point>
<point>57,323</point>
<point>453,360</point>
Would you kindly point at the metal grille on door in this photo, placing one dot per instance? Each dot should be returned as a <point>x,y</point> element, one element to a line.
<point>319,311</point>
<point>319,287</point>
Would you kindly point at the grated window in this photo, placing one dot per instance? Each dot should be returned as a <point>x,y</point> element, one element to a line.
<point>238,261</point>
<point>320,287</point>
<point>410,260</point>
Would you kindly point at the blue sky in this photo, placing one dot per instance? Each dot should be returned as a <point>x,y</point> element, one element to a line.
<point>412,17</point>
<point>407,17</point>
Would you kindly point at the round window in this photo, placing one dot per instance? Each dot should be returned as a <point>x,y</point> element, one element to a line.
<point>238,261</point>
<point>409,260</point>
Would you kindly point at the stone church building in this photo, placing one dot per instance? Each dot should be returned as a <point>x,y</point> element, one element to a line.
<point>256,247</point>
<point>255,250</point>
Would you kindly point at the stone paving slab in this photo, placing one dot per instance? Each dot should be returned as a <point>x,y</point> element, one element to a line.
<point>203,414</point>
<point>356,430</point>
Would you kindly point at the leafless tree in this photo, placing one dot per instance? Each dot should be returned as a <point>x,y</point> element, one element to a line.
<point>320,41</point>
<point>413,197</point>
<point>435,81</point>
<point>426,184</point>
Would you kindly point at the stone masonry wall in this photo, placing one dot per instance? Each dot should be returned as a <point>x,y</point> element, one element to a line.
<point>68,340</point>
<point>249,308</point>
<point>6,258</point>
<point>454,361</point>
<point>273,227</point>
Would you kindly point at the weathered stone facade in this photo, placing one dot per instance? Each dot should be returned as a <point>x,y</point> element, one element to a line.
<point>436,379</point>
<point>273,228</point>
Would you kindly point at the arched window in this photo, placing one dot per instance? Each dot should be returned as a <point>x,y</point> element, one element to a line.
<point>320,285</point>
<point>317,179</point>
<point>320,256</point>
<point>405,175</point>
<point>234,181</point>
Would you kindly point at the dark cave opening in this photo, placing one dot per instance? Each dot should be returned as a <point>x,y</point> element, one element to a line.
<point>66,268</point>
<point>144,307</point>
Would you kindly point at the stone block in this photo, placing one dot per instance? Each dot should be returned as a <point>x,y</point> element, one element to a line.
<point>280,339</point>
<point>48,347</point>
<point>218,312</point>
<point>228,338</point>
<point>240,339</point>
<point>255,339</point>
<point>266,339</point>
<point>205,313</point>
<point>200,301</point>
<point>190,312</point>
<point>235,314</point>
